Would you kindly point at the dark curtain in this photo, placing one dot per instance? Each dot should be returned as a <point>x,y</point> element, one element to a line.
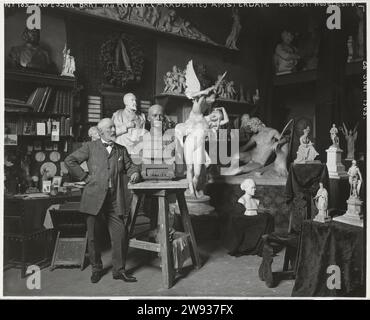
<point>331,73</point>
<point>267,40</point>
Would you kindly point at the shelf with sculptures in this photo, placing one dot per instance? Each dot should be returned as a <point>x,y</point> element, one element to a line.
<point>175,84</point>
<point>157,18</point>
<point>32,57</point>
<point>297,53</point>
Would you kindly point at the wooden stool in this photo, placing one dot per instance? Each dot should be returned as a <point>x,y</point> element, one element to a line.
<point>161,190</point>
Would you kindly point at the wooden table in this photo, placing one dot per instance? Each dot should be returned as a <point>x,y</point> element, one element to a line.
<point>24,231</point>
<point>161,190</point>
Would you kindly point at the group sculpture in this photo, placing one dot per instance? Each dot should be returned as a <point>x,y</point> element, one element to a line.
<point>156,17</point>
<point>175,83</point>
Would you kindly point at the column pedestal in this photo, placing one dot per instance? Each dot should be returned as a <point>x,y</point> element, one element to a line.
<point>353,214</point>
<point>334,163</point>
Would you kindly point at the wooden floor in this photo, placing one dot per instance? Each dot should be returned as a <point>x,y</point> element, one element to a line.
<point>221,276</point>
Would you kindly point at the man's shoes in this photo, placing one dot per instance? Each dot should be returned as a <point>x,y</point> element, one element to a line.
<point>123,276</point>
<point>264,271</point>
<point>96,276</point>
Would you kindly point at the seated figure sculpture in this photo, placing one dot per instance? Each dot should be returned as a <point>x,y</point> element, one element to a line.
<point>256,152</point>
<point>306,151</point>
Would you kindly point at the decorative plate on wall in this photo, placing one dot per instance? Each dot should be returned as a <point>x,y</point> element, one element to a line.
<point>54,156</point>
<point>40,156</point>
<point>49,168</point>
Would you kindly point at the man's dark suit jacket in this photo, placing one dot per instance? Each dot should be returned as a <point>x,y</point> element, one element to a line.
<point>98,161</point>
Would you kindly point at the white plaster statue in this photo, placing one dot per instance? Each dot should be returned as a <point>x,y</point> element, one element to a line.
<point>129,124</point>
<point>286,55</point>
<point>306,151</point>
<point>255,153</point>
<point>251,204</point>
<point>351,137</point>
<point>217,118</point>
<point>321,201</point>
<point>334,136</point>
<point>69,66</point>
<point>195,129</point>
<point>355,180</point>
<point>235,30</point>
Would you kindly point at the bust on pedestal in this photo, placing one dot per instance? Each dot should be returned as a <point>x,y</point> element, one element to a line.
<point>334,157</point>
<point>353,214</point>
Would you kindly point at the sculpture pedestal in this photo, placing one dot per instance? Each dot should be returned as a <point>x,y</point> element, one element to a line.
<point>353,213</point>
<point>334,163</point>
<point>320,217</point>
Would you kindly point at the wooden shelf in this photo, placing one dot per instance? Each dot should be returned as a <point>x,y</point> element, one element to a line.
<point>352,68</point>
<point>41,78</point>
<point>183,97</point>
<point>37,114</point>
<point>33,136</point>
<point>145,28</point>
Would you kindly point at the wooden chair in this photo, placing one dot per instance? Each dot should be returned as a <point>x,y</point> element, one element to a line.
<point>290,239</point>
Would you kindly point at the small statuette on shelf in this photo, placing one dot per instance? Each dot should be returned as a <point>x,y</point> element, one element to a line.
<point>174,81</point>
<point>69,66</point>
<point>334,137</point>
<point>351,137</point>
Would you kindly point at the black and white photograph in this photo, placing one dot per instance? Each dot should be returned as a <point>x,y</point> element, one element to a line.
<point>209,151</point>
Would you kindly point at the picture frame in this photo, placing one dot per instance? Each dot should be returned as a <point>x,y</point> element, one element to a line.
<point>10,140</point>
<point>46,186</point>
<point>57,181</point>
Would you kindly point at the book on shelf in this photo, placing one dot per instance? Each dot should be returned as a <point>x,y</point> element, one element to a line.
<point>55,131</point>
<point>40,129</point>
<point>93,109</point>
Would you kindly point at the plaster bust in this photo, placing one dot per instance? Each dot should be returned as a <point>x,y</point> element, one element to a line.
<point>129,123</point>
<point>286,55</point>
<point>30,54</point>
<point>247,200</point>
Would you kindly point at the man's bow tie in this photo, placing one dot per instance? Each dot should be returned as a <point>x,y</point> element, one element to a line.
<point>111,144</point>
